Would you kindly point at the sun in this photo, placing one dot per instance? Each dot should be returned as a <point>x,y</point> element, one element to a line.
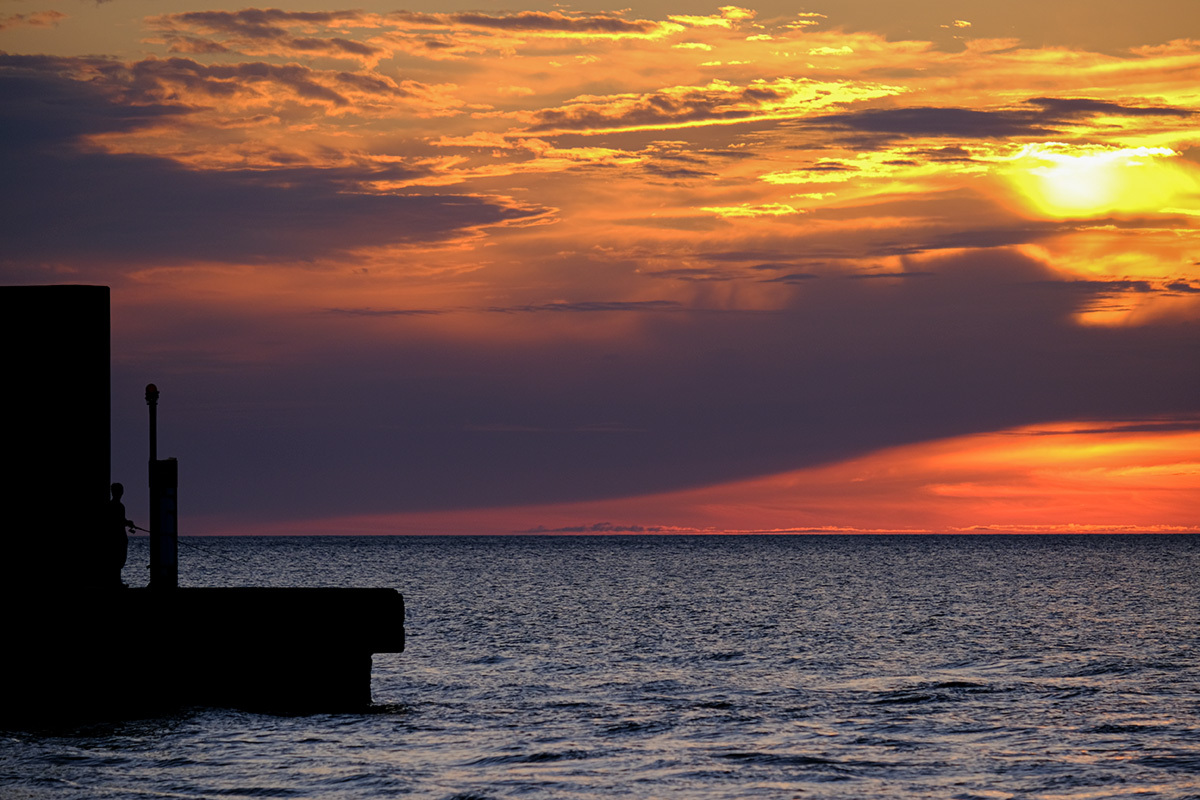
<point>1071,181</point>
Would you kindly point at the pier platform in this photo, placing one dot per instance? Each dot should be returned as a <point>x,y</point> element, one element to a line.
<point>117,653</point>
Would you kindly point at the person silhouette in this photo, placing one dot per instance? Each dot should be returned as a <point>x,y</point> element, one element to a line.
<point>116,540</point>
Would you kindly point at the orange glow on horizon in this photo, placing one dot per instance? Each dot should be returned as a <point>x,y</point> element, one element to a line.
<point>1083,477</point>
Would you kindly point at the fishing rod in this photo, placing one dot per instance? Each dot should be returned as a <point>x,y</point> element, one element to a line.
<point>199,547</point>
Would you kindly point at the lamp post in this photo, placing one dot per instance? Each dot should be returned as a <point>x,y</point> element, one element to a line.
<point>152,401</point>
<point>164,523</point>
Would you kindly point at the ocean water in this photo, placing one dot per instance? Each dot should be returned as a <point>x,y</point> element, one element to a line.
<point>701,667</point>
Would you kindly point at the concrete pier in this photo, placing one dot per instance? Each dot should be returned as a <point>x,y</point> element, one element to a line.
<point>76,645</point>
<point>121,653</point>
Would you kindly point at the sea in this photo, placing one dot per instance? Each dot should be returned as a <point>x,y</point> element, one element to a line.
<point>962,667</point>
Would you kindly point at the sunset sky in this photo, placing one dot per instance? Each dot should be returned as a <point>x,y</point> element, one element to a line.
<point>833,266</point>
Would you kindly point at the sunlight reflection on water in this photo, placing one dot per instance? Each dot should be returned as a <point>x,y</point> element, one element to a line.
<point>712,667</point>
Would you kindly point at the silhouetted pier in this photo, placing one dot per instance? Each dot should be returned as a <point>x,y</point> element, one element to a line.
<point>117,653</point>
<point>77,646</point>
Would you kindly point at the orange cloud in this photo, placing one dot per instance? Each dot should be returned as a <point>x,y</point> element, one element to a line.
<point>718,102</point>
<point>38,19</point>
<point>271,32</point>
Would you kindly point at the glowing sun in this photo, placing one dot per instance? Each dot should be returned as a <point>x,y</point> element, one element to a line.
<point>1062,180</point>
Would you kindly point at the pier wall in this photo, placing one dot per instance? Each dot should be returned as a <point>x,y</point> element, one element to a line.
<point>55,413</point>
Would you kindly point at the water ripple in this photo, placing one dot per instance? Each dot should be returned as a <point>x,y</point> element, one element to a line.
<point>706,668</point>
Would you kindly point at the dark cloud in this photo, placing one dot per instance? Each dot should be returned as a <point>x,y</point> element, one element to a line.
<point>728,153</point>
<point>262,26</point>
<point>1072,107</point>
<point>923,240</point>
<point>1096,295</point>
<point>672,161</point>
<point>1041,117</point>
<point>43,106</point>
<point>858,276</point>
<point>659,109</point>
<point>598,427</point>
<point>828,166</point>
<point>384,312</point>
<point>676,172</point>
<point>263,23</point>
<point>553,21</point>
<point>777,266</point>
<point>962,123</point>
<point>792,278</point>
<point>950,153</point>
<point>693,274</point>
<point>930,237</point>
<point>1101,287</point>
<point>423,421</point>
<point>225,80</point>
<point>47,89</point>
<point>38,19</point>
<point>1135,426</point>
<point>158,79</point>
<point>593,306</point>
<point>765,259</point>
<point>70,203</point>
<point>534,21</point>
<point>196,45</point>
<point>278,30</point>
